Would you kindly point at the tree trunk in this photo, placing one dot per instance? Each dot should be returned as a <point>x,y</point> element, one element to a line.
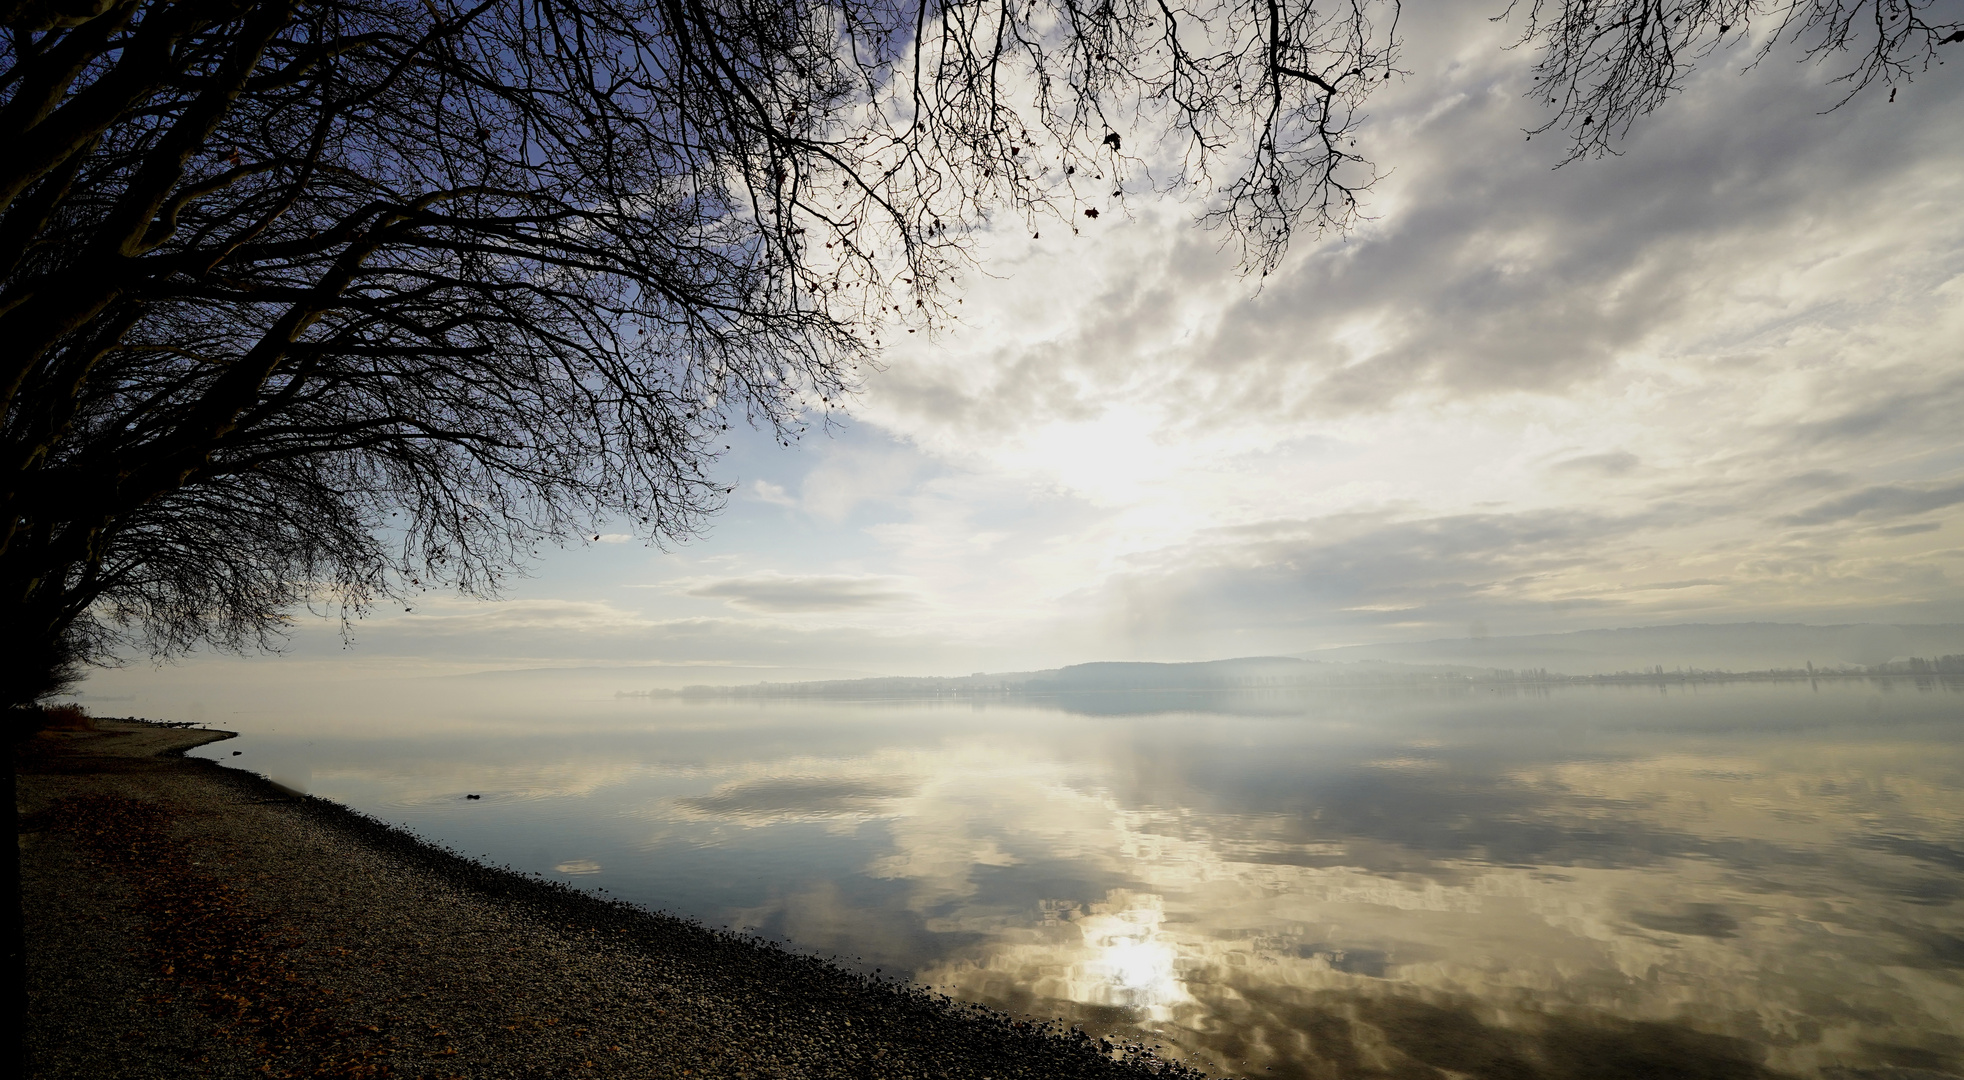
<point>15,927</point>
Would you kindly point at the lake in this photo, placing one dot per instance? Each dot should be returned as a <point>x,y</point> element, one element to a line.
<point>1735,879</point>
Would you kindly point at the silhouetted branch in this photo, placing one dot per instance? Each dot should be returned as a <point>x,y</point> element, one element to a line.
<point>1607,63</point>
<point>282,278</point>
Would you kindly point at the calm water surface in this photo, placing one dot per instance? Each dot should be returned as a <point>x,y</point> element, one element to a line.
<point>1741,880</point>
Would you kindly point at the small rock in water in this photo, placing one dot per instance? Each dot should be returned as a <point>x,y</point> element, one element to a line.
<point>236,753</point>
<point>473,796</point>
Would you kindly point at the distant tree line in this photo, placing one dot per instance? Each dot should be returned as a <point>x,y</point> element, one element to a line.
<point>1916,665</point>
<point>1266,674</point>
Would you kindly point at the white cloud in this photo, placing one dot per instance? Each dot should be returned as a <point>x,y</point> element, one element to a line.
<point>445,616</point>
<point>765,491</point>
<point>1530,395</point>
<point>1881,502</point>
<point>775,592</point>
<point>1716,378</point>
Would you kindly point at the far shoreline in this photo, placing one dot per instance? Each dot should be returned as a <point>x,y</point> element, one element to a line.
<point>854,690</point>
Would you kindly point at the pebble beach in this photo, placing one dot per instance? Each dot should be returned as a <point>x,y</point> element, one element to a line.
<point>187,920</point>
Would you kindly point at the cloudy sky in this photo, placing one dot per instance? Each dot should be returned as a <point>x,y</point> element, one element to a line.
<point>1714,379</point>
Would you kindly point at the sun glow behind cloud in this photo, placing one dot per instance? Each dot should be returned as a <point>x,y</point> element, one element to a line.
<point>1714,379</point>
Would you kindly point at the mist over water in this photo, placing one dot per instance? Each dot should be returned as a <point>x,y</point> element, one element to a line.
<point>1743,879</point>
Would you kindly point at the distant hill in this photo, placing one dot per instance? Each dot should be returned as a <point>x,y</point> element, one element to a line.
<point>1706,649</point>
<point>1707,646</point>
<point>1243,673</point>
<point>1251,671</point>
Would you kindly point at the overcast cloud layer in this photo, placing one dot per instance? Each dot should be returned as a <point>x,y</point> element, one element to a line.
<point>1714,379</point>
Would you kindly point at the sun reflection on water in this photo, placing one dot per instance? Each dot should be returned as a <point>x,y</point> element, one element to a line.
<point>1392,886</point>
<point>1130,962</point>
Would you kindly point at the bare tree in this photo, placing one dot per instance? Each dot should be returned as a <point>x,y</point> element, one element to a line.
<point>328,301</point>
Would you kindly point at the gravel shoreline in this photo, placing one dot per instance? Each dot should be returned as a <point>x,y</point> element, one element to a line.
<point>189,920</point>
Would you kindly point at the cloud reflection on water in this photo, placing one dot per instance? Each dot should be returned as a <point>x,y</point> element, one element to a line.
<point>1716,894</point>
<point>782,798</point>
<point>1739,881</point>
